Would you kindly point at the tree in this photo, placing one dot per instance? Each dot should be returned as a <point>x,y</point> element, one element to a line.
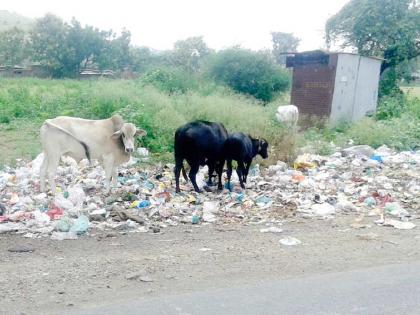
<point>283,42</point>
<point>67,48</point>
<point>189,53</point>
<point>48,44</point>
<point>249,72</point>
<point>385,28</point>
<point>12,47</point>
<point>85,45</point>
<point>143,59</point>
<point>116,51</point>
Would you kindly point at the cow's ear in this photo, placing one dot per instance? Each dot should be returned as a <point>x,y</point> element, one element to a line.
<point>141,133</point>
<point>116,134</point>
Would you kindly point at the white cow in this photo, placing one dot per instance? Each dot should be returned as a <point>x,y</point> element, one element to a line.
<point>111,141</point>
<point>288,115</point>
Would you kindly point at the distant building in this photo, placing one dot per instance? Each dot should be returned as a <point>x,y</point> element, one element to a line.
<point>33,70</point>
<point>94,73</point>
<point>335,86</point>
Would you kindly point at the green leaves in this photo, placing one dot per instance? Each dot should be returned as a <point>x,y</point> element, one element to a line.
<point>283,42</point>
<point>385,28</point>
<point>12,47</point>
<point>249,72</point>
<point>66,48</point>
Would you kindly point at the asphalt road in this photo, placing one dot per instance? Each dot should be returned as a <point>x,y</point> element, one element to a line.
<point>392,289</point>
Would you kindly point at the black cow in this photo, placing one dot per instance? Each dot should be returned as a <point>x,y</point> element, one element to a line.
<point>200,142</point>
<point>242,149</point>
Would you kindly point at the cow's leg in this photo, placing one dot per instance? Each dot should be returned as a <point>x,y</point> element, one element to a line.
<point>114,177</point>
<point>247,166</point>
<point>108,161</point>
<point>53,162</point>
<point>219,170</point>
<point>43,172</point>
<point>177,170</point>
<point>229,172</point>
<point>211,166</point>
<point>240,170</point>
<point>195,165</point>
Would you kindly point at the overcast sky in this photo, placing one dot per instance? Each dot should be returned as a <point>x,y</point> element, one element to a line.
<point>159,23</point>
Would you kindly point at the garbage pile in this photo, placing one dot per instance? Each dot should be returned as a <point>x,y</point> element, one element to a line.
<point>381,185</point>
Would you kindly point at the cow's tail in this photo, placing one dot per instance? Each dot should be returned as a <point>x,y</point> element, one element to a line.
<point>83,144</point>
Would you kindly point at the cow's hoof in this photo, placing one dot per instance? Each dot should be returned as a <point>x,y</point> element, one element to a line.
<point>207,188</point>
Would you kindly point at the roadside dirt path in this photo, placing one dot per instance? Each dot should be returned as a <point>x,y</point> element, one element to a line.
<point>101,270</point>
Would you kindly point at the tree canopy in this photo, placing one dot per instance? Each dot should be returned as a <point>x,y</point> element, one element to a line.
<point>385,28</point>
<point>249,72</point>
<point>65,48</point>
<point>12,46</point>
<point>282,43</point>
<point>189,53</point>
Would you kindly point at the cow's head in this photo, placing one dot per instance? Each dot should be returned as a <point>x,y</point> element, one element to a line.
<point>127,133</point>
<point>260,147</point>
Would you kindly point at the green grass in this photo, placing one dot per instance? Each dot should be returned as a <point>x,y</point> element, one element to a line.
<point>19,140</point>
<point>399,130</point>
<point>25,103</point>
<point>157,112</point>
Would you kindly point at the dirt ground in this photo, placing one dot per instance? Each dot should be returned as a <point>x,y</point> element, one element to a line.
<point>101,269</point>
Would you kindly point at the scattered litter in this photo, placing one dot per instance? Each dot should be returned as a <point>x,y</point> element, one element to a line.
<point>21,249</point>
<point>195,219</point>
<point>304,161</point>
<point>60,236</point>
<point>143,152</point>
<point>377,158</point>
<point>143,204</point>
<point>357,225</point>
<point>358,151</point>
<point>271,229</point>
<point>64,224</point>
<point>81,225</point>
<point>346,206</point>
<point>135,275</point>
<point>209,210</point>
<point>55,213</point>
<point>204,249</point>
<point>264,202</point>
<point>395,209</point>
<point>368,236</point>
<point>323,209</point>
<point>370,202</point>
<point>11,227</point>
<point>145,279</point>
<point>374,184</point>
<point>400,225</point>
<point>290,241</point>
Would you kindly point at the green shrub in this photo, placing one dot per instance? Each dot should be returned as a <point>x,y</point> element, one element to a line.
<point>391,106</point>
<point>169,80</point>
<point>158,112</point>
<point>413,107</point>
<point>249,72</point>
<point>402,133</point>
<point>4,119</point>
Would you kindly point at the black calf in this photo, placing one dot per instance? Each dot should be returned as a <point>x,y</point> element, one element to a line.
<point>242,149</point>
